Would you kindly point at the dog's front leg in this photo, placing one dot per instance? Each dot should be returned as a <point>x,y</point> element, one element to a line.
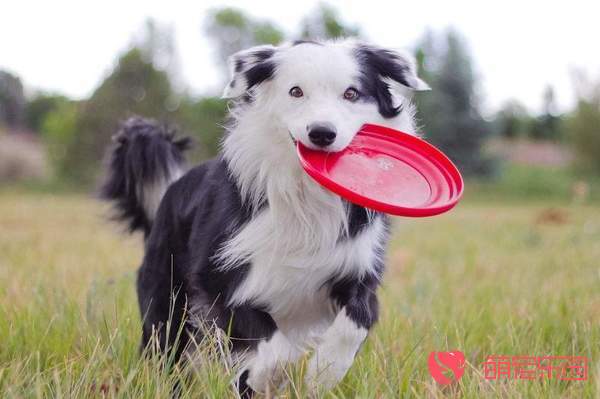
<point>265,366</point>
<point>341,341</point>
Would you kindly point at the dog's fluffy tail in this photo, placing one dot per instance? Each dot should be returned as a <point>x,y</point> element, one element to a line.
<point>144,160</point>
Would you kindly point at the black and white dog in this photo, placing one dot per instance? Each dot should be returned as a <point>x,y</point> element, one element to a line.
<point>248,241</point>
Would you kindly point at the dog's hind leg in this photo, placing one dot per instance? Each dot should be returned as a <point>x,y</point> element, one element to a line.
<point>162,305</point>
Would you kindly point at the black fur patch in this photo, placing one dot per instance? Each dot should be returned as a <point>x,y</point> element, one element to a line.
<point>259,73</point>
<point>243,389</point>
<point>239,65</point>
<point>376,64</point>
<point>359,297</point>
<point>259,56</point>
<point>203,207</point>
<point>255,67</point>
<point>247,98</point>
<point>262,55</point>
<point>358,219</point>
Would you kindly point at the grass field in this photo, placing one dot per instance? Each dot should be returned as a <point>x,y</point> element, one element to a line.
<point>487,278</point>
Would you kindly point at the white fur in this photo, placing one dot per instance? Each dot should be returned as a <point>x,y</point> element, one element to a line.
<point>290,285</point>
<point>151,193</point>
<point>267,362</point>
<point>335,354</point>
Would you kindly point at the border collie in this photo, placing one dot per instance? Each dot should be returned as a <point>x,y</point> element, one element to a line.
<point>248,242</point>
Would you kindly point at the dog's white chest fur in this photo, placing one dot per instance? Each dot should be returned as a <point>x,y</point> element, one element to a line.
<point>288,278</point>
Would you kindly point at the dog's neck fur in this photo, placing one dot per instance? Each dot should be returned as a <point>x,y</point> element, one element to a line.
<point>299,214</point>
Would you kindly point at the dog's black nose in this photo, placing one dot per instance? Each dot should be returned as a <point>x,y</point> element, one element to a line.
<point>321,134</point>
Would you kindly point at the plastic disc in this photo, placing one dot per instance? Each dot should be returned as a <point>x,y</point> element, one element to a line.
<point>388,171</point>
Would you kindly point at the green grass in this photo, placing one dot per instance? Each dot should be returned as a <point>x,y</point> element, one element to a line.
<point>487,278</point>
<point>519,183</point>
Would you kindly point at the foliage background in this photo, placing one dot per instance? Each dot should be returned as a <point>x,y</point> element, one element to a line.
<point>145,81</point>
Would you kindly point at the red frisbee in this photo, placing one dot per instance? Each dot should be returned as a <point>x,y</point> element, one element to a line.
<point>388,171</point>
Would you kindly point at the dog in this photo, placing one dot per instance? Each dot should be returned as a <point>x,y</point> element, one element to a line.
<point>247,241</point>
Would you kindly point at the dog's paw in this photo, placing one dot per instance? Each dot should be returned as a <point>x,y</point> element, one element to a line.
<point>258,379</point>
<point>265,379</point>
<point>325,370</point>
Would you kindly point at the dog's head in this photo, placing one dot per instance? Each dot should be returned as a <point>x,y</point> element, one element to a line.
<point>321,93</point>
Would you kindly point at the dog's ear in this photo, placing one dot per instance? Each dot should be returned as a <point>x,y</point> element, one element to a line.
<point>390,64</point>
<point>249,68</point>
<point>385,74</point>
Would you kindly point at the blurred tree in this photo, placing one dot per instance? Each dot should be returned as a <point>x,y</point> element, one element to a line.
<point>134,87</point>
<point>450,112</point>
<point>157,45</point>
<point>203,118</point>
<point>325,23</point>
<point>140,83</point>
<point>12,100</point>
<point>232,30</point>
<point>58,129</point>
<point>38,108</point>
<point>513,120</point>
<point>549,104</point>
<point>583,126</point>
<point>548,124</point>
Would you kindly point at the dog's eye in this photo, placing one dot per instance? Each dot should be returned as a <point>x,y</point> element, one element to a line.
<point>296,92</point>
<point>351,94</point>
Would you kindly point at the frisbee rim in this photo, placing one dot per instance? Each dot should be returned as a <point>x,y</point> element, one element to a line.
<point>446,167</point>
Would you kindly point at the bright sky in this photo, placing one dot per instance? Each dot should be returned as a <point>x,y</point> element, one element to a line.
<point>519,46</point>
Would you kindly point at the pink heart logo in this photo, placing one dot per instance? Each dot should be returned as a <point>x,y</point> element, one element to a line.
<point>446,367</point>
